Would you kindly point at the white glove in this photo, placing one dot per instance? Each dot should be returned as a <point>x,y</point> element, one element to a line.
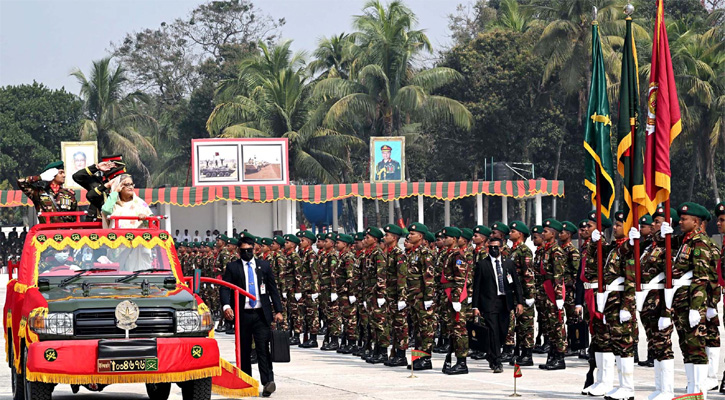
<point>333,297</point>
<point>560,304</point>
<point>49,175</point>
<point>456,306</point>
<point>314,296</point>
<point>401,305</point>
<point>427,304</point>
<point>604,319</point>
<point>664,323</point>
<point>381,302</point>
<point>529,302</point>
<point>633,235</point>
<point>624,316</point>
<point>469,299</point>
<point>365,304</point>
<point>694,318</point>
<point>284,296</point>
<point>596,235</point>
<point>711,313</point>
<point>509,243</point>
<point>298,296</point>
<point>352,299</point>
<point>666,229</point>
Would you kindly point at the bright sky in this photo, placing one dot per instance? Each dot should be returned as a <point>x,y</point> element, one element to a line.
<point>44,40</point>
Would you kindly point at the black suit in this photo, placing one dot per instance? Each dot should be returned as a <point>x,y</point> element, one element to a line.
<point>254,323</point>
<point>496,309</point>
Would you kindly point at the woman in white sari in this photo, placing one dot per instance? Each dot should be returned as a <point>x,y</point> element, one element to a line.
<point>123,202</point>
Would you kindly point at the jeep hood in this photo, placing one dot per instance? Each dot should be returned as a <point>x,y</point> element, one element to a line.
<point>108,295</point>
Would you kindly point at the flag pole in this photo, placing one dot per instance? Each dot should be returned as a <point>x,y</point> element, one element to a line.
<point>412,365</point>
<point>598,196</point>
<point>668,253</point>
<point>634,211</point>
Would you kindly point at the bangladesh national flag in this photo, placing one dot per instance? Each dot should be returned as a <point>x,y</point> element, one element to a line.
<point>517,371</point>
<point>597,131</point>
<point>630,152</point>
<point>416,354</point>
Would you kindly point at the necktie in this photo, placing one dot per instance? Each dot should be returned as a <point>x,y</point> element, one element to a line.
<point>250,285</point>
<point>499,274</point>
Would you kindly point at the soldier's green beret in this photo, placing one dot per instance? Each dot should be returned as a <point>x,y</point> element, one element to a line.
<point>292,238</point>
<point>584,223</point>
<point>537,229</point>
<point>394,229</point>
<point>430,237</point>
<point>606,222</point>
<point>331,235</point>
<point>307,234</point>
<point>223,238</point>
<point>483,230</point>
<point>247,235</point>
<point>279,239</point>
<point>451,231</point>
<point>210,244</point>
<point>694,209</point>
<point>266,241</point>
<point>440,234</point>
<point>569,226</point>
<point>619,216</point>
<point>467,233</point>
<point>405,232</point>
<point>520,226</point>
<point>660,212</point>
<point>345,238</point>
<point>374,232</point>
<point>417,227</point>
<point>321,236</point>
<point>359,236</point>
<point>646,220</point>
<point>501,227</point>
<point>720,209</point>
<point>234,241</point>
<point>55,164</point>
<point>553,224</point>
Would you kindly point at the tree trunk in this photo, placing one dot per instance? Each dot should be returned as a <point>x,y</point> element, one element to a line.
<point>691,186</point>
<point>556,177</point>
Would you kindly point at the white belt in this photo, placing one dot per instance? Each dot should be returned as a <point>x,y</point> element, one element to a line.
<point>590,285</point>
<point>685,280</point>
<point>654,283</point>
<point>617,285</point>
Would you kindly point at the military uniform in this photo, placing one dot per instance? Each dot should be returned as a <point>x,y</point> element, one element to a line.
<point>344,285</point>
<point>571,270</point>
<point>396,292</point>
<point>552,271</point>
<point>455,274</point>
<point>48,197</point>
<point>308,276</point>
<point>522,258</point>
<point>421,295</point>
<point>93,180</point>
<point>375,275</point>
<point>293,286</point>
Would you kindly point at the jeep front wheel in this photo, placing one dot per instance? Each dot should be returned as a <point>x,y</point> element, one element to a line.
<point>35,390</point>
<point>158,391</point>
<point>18,379</point>
<point>198,389</point>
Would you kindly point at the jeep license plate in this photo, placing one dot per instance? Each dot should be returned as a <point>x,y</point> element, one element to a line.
<point>128,365</point>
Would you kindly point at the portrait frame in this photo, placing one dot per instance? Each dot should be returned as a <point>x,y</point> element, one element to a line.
<point>71,153</point>
<point>245,161</point>
<point>393,172</point>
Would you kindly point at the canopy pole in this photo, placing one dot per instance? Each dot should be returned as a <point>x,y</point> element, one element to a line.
<point>504,210</point>
<point>447,213</point>
<point>479,209</point>
<point>421,212</point>
<point>334,215</point>
<point>289,227</point>
<point>275,216</point>
<point>293,210</point>
<point>360,227</point>
<point>167,212</point>
<point>230,221</point>
<point>539,211</point>
<point>391,212</point>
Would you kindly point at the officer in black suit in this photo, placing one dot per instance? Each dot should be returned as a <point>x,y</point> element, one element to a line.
<point>256,316</point>
<point>496,291</point>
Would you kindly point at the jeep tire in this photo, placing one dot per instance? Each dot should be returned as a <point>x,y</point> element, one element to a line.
<point>35,390</point>
<point>158,391</point>
<point>17,379</point>
<point>198,389</point>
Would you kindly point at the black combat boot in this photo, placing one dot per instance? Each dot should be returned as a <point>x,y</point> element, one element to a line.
<point>590,375</point>
<point>381,357</point>
<point>222,327</point>
<point>538,343</point>
<point>399,360</point>
<point>507,354</point>
<point>367,351</point>
<point>343,345</point>
<point>584,355</point>
<point>447,364</point>
<point>441,348</point>
<point>311,343</point>
<point>230,328</point>
<point>478,355</point>
<point>525,360</point>
<point>557,362</point>
<point>332,345</point>
<point>515,358</point>
<point>549,358</point>
<point>369,354</point>
<point>460,368</point>
<point>546,347</point>
<point>649,362</point>
<point>722,384</point>
<point>358,349</point>
<point>294,340</point>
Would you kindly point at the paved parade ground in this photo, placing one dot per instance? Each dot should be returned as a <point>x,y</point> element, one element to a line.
<point>314,374</point>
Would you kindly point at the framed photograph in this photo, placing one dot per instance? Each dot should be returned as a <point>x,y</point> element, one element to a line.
<point>76,156</point>
<point>387,159</point>
<point>240,162</point>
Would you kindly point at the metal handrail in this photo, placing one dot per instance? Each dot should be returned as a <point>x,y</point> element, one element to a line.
<point>154,220</point>
<point>237,291</point>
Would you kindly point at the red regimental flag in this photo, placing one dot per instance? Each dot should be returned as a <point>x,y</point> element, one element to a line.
<point>416,354</point>
<point>517,371</point>
<point>663,117</point>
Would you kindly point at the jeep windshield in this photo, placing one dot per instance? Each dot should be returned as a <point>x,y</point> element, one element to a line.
<point>122,260</point>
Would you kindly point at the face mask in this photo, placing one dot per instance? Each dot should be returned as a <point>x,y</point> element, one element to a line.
<point>495,251</point>
<point>246,254</point>
<point>61,257</point>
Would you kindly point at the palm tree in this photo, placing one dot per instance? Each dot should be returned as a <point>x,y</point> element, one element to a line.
<point>270,98</point>
<point>513,17</point>
<point>113,119</point>
<point>333,57</point>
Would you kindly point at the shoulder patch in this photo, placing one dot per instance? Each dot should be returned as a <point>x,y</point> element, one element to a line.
<point>459,262</point>
<point>697,252</point>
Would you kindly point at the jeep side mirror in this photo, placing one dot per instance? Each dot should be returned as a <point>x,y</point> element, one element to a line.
<point>170,282</point>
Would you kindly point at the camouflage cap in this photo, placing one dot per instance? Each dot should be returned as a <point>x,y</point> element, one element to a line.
<point>520,226</point>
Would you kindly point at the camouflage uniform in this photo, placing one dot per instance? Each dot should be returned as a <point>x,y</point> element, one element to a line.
<point>279,266</point>
<point>396,290</point>
<point>441,299</point>
<point>714,294</point>
<point>363,281</point>
<point>421,287</point>
<point>540,300</point>
<point>659,342</point>
<point>571,270</point>
<point>292,285</point>
<point>210,294</point>
<point>308,276</point>
<point>45,199</point>
<point>601,338</point>
<point>551,268</point>
<point>327,261</point>
<point>344,284</point>
<point>456,272</point>
<point>522,332</point>
<point>376,281</point>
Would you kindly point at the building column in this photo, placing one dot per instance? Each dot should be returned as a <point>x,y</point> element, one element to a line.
<point>447,213</point>
<point>360,227</point>
<point>479,209</point>
<point>421,213</point>
<point>167,212</point>
<point>275,216</point>
<point>230,220</point>
<point>504,210</point>
<point>538,211</point>
<point>391,212</point>
<point>334,215</point>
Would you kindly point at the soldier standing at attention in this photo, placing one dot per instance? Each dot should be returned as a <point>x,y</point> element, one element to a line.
<point>47,193</point>
<point>359,292</point>
<point>480,251</point>
<point>343,276</point>
<point>421,292</point>
<point>712,321</point>
<point>397,296</point>
<point>279,266</point>
<point>293,287</point>
<point>328,304</point>
<point>310,285</point>
<point>646,229</point>
<point>523,258</point>
<point>537,238</point>
<point>453,282</point>
<point>376,281</point>
<point>571,269</point>
<point>720,215</point>
<point>552,270</point>
<point>441,257</point>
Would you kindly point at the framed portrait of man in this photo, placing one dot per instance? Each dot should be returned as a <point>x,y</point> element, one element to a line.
<point>76,156</point>
<point>387,159</point>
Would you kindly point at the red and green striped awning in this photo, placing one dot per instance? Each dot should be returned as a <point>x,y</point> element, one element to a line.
<point>194,196</point>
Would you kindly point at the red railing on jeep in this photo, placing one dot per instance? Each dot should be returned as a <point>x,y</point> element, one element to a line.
<point>237,291</point>
<point>154,221</point>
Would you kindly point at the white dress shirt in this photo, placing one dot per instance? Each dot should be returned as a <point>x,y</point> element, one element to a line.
<point>495,273</point>
<point>247,306</point>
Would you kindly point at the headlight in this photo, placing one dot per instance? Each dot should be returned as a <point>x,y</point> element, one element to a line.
<point>193,321</point>
<point>52,324</point>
